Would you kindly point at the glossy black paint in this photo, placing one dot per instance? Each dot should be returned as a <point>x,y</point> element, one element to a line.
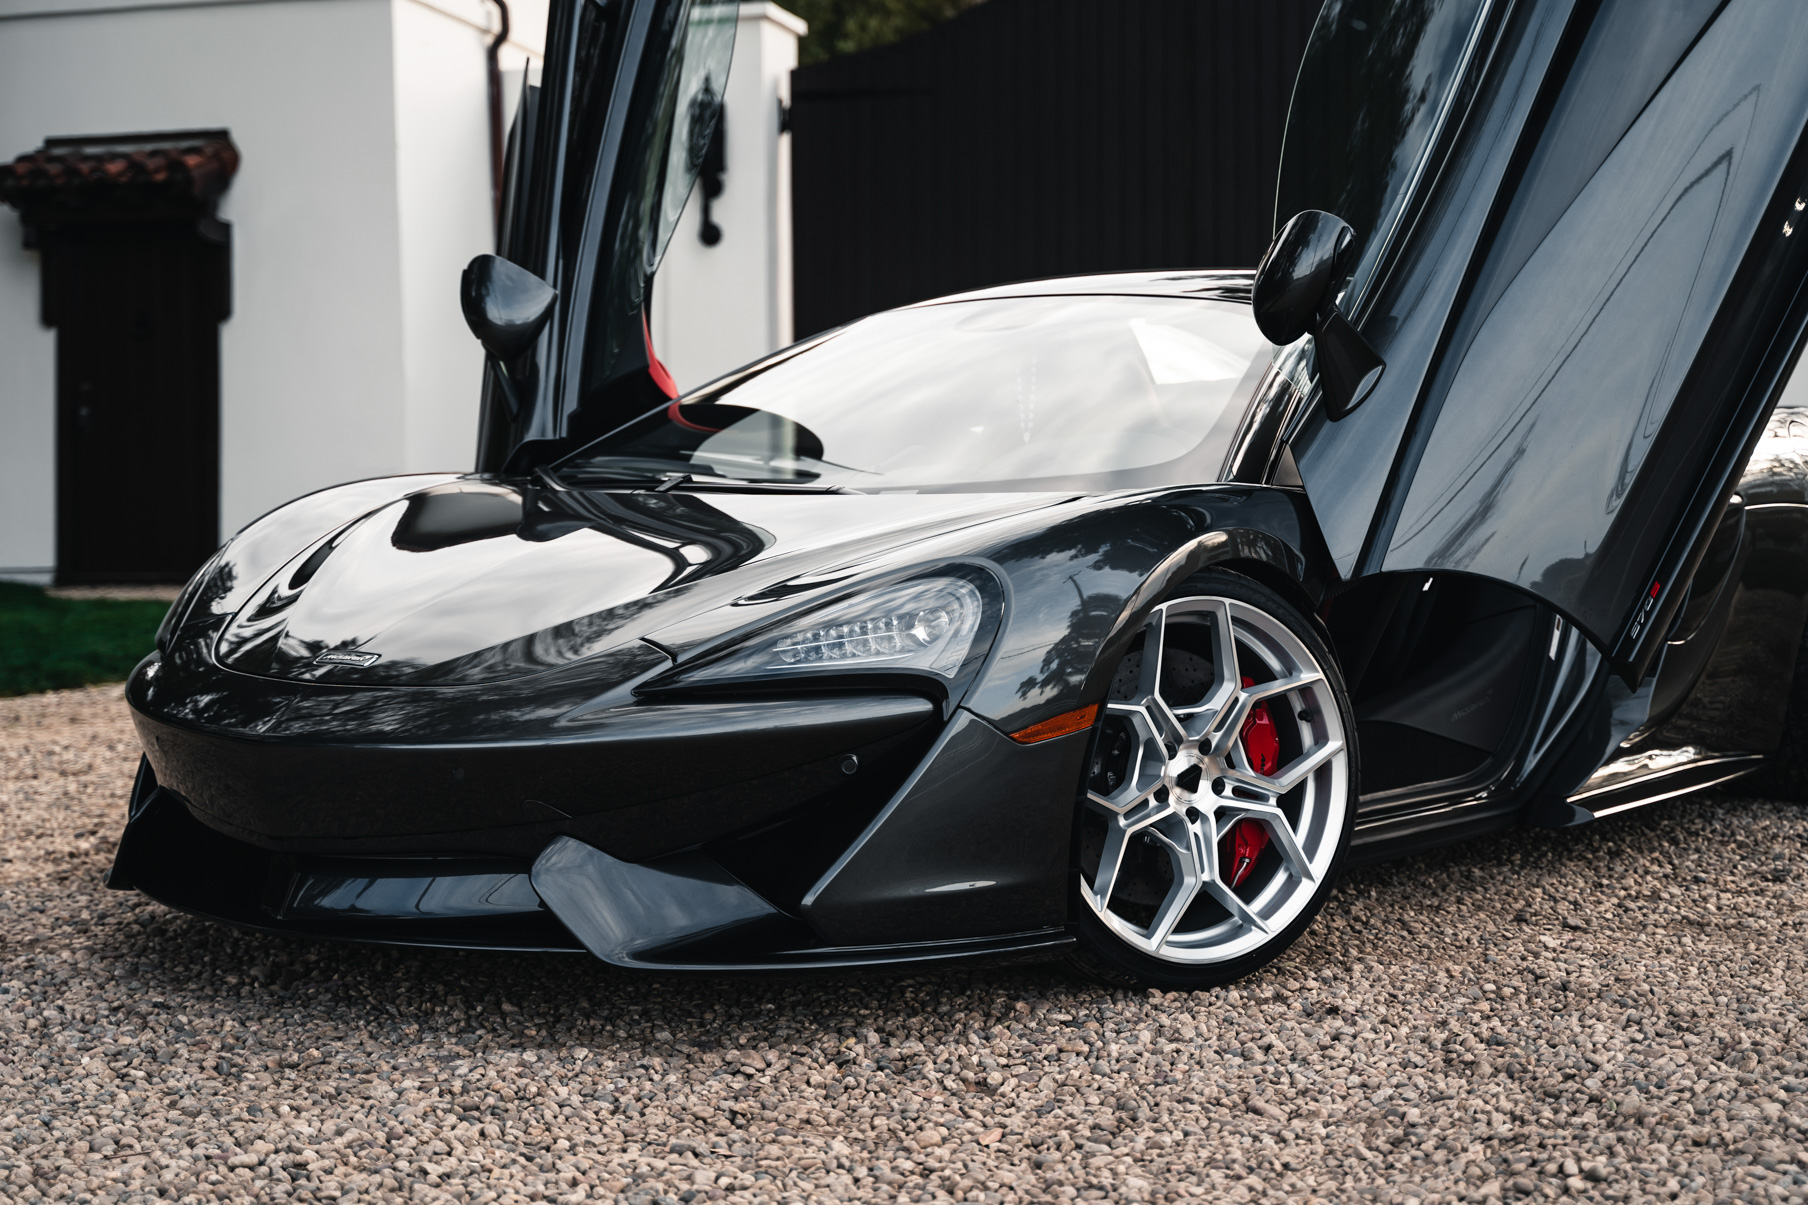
<point>1595,296</point>
<point>712,768</point>
<point>1348,368</point>
<point>504,305</point>
<point>1292,298</point>
<point>976,843</point>
<point>1373,95</point>
<point>582,210</point>
<point>379,708</point>
<point>1293,281</point>
<point>170,856</point>
<point>459,592</point>
<point>265,759</point>
<point>466,738</point>
<point>1401,290</point>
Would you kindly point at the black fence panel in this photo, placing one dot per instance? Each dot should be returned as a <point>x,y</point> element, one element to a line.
<point>1031,138</point>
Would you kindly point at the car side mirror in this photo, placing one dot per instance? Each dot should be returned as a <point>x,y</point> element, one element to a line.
<point>1292,297</point>
<point>505,305</point>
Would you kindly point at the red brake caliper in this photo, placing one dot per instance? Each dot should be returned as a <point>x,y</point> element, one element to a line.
<point>1247,838</point>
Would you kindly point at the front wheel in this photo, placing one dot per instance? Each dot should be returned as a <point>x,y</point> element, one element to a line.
<point>1220,793</point>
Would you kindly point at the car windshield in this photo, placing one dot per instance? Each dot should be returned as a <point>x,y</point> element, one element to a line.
<point>1021,393</point>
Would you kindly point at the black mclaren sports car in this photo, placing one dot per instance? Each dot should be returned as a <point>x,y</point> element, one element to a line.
<point>1106,618</point>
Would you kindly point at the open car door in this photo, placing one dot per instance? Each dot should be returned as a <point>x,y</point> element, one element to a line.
<point>1580,249</point>
<point>603,154</point>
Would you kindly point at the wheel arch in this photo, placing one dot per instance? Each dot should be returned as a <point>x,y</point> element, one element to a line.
<point>1120,561</point>
<point>1253,553</point>
<point>1288,587</point>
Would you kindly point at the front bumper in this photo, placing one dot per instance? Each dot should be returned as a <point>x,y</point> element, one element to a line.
<point>949,841</point>
<point>637,781</point>
<point>469,903</point>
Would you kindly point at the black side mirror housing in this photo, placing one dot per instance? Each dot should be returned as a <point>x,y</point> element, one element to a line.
<point>1292,297</point>
<point>1294,279</point>
<point>505,305</point>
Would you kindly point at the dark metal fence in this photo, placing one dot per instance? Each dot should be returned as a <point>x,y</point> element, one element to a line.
<point>1030,138</point>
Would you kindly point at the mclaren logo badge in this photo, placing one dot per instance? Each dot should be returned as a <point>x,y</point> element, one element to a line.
<point>361,660</point>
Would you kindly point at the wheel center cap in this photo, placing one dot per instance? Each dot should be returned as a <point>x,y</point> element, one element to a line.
<point>1187,780</point>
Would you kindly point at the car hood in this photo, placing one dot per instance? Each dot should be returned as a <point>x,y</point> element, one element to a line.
<point>475,581</point>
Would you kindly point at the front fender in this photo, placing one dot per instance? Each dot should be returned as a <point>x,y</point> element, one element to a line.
<point>1080,588</point>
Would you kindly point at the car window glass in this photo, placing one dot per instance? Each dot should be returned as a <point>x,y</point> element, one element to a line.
<point>1365,109</point>
<point>671,113</point>
<point>694,106</point>
<point>1021,390</point>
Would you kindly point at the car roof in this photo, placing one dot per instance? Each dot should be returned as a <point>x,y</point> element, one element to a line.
<point>1218,284</point>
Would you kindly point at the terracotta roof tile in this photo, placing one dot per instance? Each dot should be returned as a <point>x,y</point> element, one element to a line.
<point>148,169</point>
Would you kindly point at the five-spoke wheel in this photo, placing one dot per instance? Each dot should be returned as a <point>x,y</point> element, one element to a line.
<point>1218,797</point>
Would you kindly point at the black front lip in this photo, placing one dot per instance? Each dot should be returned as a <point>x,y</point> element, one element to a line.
<point>173,858</point>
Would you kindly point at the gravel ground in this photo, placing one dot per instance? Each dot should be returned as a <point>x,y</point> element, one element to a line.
<point>1611,1014</point>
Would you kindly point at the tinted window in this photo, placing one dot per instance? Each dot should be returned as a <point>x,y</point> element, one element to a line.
<point>1019,393</point>
<point>675,105</point>
<point>1366,108</point>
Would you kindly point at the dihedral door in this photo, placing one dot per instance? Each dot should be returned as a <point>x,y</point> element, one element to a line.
<point>602,158</point>
<point>1581,251</point>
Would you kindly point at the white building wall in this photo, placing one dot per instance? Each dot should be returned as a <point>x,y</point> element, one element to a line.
<point>445,213</point>
<point>716,308</point>
<point>444,218</point>
<point>27,420</point>
<point>363,189</point>
<point>307,358</point>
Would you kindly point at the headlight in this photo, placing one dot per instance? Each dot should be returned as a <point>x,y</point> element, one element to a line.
<point>925,625</point>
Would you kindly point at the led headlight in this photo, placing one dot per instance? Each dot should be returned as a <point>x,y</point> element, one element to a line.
<point>923,625</point>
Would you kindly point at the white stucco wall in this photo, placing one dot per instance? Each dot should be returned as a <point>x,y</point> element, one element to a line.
<point>361,192</point>
<point>444,218</point>
<point>444,208</point>
<point>27,416</point>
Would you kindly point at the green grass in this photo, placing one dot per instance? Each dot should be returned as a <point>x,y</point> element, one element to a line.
<point>53,643</point>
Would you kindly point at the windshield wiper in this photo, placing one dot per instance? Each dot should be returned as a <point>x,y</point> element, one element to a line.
<point>663,483</point>
<point>732,485</point>
<point>554,478</point>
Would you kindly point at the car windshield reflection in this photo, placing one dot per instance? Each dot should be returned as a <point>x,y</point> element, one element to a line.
<point>1022,393</point>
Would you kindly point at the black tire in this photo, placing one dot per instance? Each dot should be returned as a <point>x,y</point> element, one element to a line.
<point>1785,776</point>
<point>1115,950</point>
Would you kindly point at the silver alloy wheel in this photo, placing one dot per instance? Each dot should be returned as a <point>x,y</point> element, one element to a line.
<point>1188,782</point>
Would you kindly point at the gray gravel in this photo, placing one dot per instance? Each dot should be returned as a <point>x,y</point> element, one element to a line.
<point>1611,1014</point>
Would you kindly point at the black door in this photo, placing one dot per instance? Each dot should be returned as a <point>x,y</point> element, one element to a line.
<point>137,308</point>
<point>603,155</point>
<point>1582,253</point>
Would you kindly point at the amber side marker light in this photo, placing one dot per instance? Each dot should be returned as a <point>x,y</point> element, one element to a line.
<point>1078,720</point>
